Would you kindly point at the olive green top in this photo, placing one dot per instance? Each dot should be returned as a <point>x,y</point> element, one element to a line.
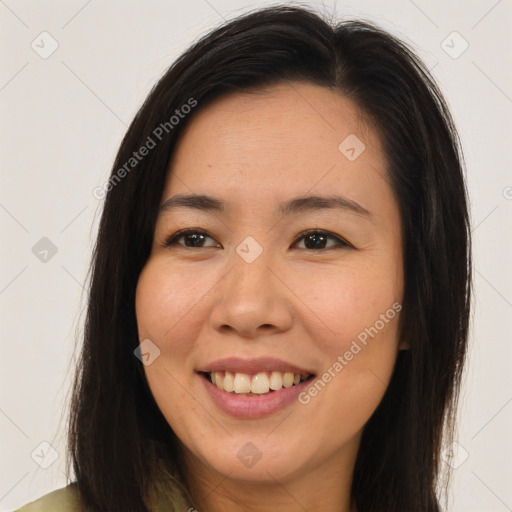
<point>66,500</point>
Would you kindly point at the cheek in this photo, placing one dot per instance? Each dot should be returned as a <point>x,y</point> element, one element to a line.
<point>348,302</point>
<point>166,306</point>
<point>356,329</point>
<point>166,303</point>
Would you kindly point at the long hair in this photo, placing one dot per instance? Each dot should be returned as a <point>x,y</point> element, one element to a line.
<point>117,435</point>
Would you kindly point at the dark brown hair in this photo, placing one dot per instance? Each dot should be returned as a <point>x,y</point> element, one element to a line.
<point>117,434</point>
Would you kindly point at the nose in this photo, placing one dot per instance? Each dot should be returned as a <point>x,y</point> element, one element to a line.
<point>252,300</point>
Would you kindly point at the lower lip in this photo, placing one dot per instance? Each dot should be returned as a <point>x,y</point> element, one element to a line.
<point>252,407</point>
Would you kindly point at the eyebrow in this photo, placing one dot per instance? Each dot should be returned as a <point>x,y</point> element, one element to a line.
<point>286,208</point>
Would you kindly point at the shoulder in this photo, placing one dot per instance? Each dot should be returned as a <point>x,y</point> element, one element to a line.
<point>67,500</point>
<point>61,500</point>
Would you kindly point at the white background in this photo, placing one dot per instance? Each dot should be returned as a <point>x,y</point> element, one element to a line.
<point>62,119</point>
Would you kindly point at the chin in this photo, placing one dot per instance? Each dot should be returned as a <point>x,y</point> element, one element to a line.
<point>255,459</point>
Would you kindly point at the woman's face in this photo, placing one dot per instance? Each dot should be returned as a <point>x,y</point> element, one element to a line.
<point>249,295</point>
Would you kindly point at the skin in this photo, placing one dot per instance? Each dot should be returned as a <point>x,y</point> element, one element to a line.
<point>305,305</point>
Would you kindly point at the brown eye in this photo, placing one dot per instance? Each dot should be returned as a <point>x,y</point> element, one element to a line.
<point>191,238</point>
<point>318,240</point>
<point>315,240</point>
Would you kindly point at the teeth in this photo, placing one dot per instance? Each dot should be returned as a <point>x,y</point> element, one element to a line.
<point>229,382</point>
<point>218,381</point>
<point>259,384</point>
<point>276,381</point>
<point>288,380</point>
<point>242,383</point>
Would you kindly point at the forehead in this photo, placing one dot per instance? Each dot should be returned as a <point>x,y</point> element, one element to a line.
<point>282,141</point>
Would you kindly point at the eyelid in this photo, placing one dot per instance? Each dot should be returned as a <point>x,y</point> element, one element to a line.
<point>182,232</point>
<point>341,242</point>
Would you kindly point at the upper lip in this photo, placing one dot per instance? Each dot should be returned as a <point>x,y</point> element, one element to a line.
<point>250,366</point>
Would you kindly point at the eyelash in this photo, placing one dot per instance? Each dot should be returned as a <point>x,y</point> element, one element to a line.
<point>341,243</point>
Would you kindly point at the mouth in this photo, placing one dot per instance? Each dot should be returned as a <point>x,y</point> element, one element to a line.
<point>251,389</point>
<point>261,383</point>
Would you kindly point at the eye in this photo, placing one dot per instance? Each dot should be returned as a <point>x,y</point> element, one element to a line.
<point>191,237</point>
<point>314,239</point>
<point>318,239</point>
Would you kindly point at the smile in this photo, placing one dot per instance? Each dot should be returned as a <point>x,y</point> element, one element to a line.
<point>255,388</point>
<point>253,385</point>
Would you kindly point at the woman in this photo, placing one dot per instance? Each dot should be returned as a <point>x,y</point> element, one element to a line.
<point>280,291</point>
